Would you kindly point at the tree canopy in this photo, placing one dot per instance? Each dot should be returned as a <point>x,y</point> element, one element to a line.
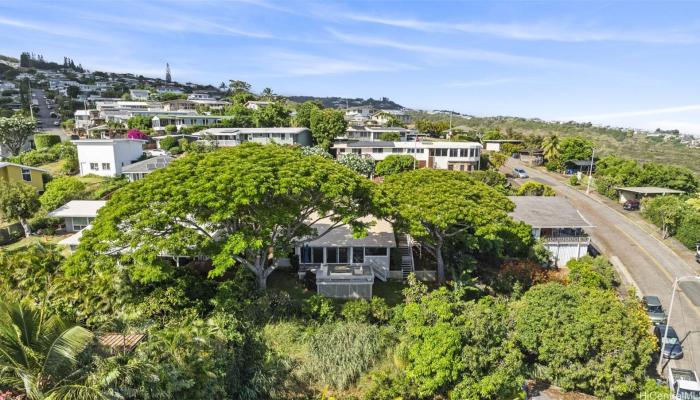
<point>245,206</point>
<point>533,188</point>
<point>326,125</point>
<point>395,163</point>
<point>435,206</point>
<point>15,132</point>
<point>18,201</point>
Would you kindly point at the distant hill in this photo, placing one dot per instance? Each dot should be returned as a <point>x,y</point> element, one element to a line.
<point>341,102</point>
<point>607,140</point>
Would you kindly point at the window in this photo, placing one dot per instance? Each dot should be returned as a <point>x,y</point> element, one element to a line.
<point>317,255</point>
<point>461,167</point>
<point>375,251</point>
<point>395,150</point>
<point>305,257</point>
<point>464,152</point>
<point>356,151</point>
<point>105,166</point>
<point>27,174</point>
<point>337,255</point>
<point>377,150</point>
<point>450,167</point>
<point>94,166</point>
<point>453,152</point>
<point>358,255</point>
<point>80,223</point>
<point>438,152</point>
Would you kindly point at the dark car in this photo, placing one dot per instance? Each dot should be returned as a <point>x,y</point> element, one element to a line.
<point>631,205</point>
<point>655,311</point>
<point>672,348</point>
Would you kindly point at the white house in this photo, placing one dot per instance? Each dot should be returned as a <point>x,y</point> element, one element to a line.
<point>138,94</point>
<point>495,145</point>
<point>459,156</point>
<point>82,119</point>
<point>256,105</point>
<point>160,121</point>
<point>382,116</point>
<point>107,157</point>
<point>166,89</point>
<point>199,96</point>
<point>78,214</point>
<point>345,266</point>
<point>373,133</point>
<point>555,221</point>
<point>140,169</point>
<point>235,136</point>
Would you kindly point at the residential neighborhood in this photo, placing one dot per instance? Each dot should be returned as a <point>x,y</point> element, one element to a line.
<point>281,229</point>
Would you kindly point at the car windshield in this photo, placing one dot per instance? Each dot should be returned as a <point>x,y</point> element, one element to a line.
<point>684,394</point>
<point>655,309</point>
<point>670,339</point>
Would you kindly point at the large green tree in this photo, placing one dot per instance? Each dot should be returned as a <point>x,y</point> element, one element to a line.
<point>39,355</point>
<point>303,117</point>
<point>550,147</point>
<point>326,125</point>
<point>15,132</point>
<point>247,205</point>
<point>435,206</point>
<point>18,201</point>
<point>459,349</point>
<point>583,338</point>
<point>61,190</point>
<point>272,115</point>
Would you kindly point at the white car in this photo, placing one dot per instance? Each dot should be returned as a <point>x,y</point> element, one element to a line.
<point>156,153</point>
<point>520,173</point>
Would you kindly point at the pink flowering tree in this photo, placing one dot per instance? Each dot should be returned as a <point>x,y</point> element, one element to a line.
<point>136,134</point>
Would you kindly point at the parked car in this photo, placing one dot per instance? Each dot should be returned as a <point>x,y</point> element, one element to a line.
<point>684,384</point>
<point>672,348</point>
<point>631,205</point>
<point>520,173</point>
<point>156,152</point>
<point>655,311</point>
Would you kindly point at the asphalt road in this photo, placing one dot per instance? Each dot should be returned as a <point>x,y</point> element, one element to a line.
<point>44,114</point>
<point>649,262</point>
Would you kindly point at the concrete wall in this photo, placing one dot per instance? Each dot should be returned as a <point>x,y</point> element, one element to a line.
<point>117,153</point>
<point>563,252</point>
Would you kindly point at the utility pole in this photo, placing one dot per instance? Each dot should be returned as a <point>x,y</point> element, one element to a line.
<point>590,172</point>
<point>668,317</point>
<point>29,97</point>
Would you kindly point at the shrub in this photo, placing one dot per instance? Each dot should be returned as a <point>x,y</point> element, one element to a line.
<point>60,191</point>
<point>381,312</point>
<point>532,188</point>
<point>310,281</point>
<point>390,136</point>
<point>689,230</point>
<point>573,181</point>
<point>341,351</point>
<point>318,308</point>
<point>168,142</point>
<point>176,150</point>
<point>522,272</point>
<point>394,164</point>
<point>356,311</point>
<point>44,141</point>
<point>592,272</point>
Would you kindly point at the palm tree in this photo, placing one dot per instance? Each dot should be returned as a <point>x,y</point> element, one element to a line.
<point>550,147</point>
<point>39,355</point>
<point>268,94</point>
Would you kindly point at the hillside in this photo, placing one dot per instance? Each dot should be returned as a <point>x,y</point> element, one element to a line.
<point>608,140</point>
<point>342,102</point>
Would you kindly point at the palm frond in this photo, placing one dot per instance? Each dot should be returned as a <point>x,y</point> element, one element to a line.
<point>61,356</point>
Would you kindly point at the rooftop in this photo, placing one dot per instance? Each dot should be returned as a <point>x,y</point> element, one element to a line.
<point>105,141</point>
<point>79,208</point>
<point>380,234</point>
<point>649,190</point>
<point>547,212</point>
<point>232,131</point>
<point>148,165</point>
<point>6,164</point>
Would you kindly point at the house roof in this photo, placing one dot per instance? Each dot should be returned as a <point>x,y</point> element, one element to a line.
<point>79,208</point>
<point>581,163</point>
<point>7,164</point>
<point>233,131</point>
<point>120,342</point>
<point>503,141</point>
<point>381,234</point>
<point>649,190</point>
<point>148,165</point>
<point>547,212</point>
<point>105,141</point>
<point>377,143</point>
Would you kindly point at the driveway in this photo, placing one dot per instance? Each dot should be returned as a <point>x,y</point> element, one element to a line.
<point>642,260</point>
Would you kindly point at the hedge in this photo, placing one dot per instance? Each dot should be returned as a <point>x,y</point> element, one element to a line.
<point>46,140</point>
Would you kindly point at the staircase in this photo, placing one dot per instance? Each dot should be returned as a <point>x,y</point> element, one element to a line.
<point>406,249</point>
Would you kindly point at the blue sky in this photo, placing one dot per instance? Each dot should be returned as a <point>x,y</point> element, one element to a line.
<point>618,63</point>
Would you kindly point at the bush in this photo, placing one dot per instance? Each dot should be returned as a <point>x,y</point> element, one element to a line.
<point>310,281</point>
<point>532,188</point>
<point>60,191</point>
<point>318,308</point>
<point>592,272</point>
<point>394,164</point>
<point>688,232</point>
<point>175,150</point>
<point>168,142</point>
<point>356,311</point>
<point>381,312</point>
<point>341,351</point>
<point>521,272</point>
<point>390,137</point>
<point>573,181</point>
<point>44,141</point>
<point>183,144</point>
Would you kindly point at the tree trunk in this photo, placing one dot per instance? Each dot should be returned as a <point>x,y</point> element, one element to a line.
<point>440,265</point>
<point>262,280</point>
<point>26,227</point>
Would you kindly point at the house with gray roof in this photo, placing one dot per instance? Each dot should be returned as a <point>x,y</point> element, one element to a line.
<point>557,223</point>
<point>140,169</point>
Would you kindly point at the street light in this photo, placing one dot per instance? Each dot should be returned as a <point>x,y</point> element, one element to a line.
<point>670,310</point>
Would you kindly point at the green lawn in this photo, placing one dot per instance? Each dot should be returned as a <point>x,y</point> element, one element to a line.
<point>24,242</point>
<point>54,168</point>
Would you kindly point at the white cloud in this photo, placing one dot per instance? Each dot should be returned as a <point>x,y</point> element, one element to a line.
<point>286,63</point>
<point>55,30</point>
<point>446,53</point>
<point>544,31</point>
